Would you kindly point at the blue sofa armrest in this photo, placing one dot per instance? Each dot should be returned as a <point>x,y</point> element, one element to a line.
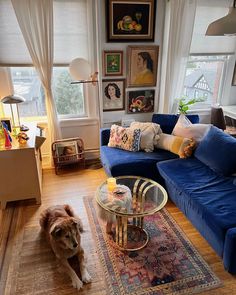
<point>229,255</point>
<point>104,136</point>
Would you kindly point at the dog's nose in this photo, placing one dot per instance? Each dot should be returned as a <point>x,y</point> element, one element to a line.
<point>75,245</point>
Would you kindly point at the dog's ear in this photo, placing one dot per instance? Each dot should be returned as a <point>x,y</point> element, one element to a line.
<point>78,223</point>
<point>56,232</point>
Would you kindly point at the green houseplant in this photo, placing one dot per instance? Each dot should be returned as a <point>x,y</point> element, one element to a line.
<point>183,106</point>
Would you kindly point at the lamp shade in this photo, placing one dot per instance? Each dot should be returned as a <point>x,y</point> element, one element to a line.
<point>223,26</point>
<point>6,86</point>
<point>11,99</point>
<point>80,69</point>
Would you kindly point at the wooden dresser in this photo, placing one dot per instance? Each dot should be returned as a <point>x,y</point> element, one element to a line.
<point>21,169</point>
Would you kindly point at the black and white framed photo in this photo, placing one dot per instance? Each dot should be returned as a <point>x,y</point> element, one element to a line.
<point>140,101</point>
<point>113,94</point>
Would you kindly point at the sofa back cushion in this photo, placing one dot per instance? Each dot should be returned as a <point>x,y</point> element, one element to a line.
<point>218,151</point>
<point>168,121</point>
<point>125,138</point>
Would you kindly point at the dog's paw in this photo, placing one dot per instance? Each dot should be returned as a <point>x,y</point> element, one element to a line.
<point>86,278</point>
<point>77,284</point>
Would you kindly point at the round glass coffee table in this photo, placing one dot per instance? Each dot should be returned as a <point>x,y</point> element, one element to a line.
<point>131,200</point>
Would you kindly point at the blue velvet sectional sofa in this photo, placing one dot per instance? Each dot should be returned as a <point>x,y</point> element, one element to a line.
<point>202,186</point>
<point>117,162</point>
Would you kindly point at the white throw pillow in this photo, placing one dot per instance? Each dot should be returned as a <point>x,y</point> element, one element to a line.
<point>185,128</point>
<point>149,134</point>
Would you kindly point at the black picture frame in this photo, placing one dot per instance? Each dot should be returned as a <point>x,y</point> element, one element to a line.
<point>130,21</point>
<point>140,101</point>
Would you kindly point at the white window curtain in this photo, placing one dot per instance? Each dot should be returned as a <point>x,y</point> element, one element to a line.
<point>179,22</point>
<point>35,19</point>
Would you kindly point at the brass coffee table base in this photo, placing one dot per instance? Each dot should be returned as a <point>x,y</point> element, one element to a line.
<point>122,228</point>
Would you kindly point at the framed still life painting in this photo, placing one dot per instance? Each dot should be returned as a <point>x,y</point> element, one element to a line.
<point>130,20</point>
<point>113,63</point>
<point>142,66</point>
<point>113,95</point>
<point>140,101</point>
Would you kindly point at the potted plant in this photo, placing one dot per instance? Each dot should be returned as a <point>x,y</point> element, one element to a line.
<point>184,104</point>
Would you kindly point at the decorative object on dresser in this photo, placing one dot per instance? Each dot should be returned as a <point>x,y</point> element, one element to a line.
<point>142,65</point>
<point>113,63</point>
<point>130,20</point>
<point>67,152</point>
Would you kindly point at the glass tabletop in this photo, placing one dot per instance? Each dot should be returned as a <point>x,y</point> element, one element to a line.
<point>132,196</point>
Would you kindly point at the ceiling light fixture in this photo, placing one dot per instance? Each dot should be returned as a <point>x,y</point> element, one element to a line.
<point>225,26</point>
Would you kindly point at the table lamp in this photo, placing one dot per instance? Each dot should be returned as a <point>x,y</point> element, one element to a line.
<point>14,99</point>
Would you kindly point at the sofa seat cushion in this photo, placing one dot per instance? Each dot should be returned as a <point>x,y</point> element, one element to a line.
<point>120,162</point>
<point>202,193</point>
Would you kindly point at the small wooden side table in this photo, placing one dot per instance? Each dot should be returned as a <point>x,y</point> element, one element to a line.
<point>68,151</point>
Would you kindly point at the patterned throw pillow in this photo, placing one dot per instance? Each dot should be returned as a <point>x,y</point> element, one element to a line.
<point>125,138</point>
<point>178,145</point>
<point>149,134</point>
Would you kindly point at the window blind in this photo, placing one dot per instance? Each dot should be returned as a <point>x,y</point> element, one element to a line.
<point>207,12</point>
<point>12,45</point>
<point>70,30</point>
<point>70,33</point>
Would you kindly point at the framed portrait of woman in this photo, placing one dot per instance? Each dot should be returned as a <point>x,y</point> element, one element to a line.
<point>142,65</point>
<point>113,95</point>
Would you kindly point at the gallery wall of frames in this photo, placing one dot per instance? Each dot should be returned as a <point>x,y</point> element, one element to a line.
<point>131,57</point>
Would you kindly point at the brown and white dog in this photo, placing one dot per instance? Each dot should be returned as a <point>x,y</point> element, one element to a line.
<point>63,229</point>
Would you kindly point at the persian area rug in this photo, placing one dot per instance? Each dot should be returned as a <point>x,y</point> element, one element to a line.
<point>169,264</point>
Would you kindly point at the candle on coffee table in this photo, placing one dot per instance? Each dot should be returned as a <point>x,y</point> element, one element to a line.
<point>111,184</point>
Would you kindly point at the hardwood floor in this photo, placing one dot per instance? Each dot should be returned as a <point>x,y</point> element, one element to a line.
<point>70,188</point>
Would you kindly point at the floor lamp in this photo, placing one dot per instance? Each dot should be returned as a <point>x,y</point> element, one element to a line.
<point>80,71</point>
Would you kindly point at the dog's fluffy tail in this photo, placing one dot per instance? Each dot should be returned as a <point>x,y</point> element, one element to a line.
<point>43,221</point>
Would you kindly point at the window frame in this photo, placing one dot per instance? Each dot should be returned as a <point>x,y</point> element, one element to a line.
<point>225,59</point>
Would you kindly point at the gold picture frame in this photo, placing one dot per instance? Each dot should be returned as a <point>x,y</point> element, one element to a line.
<point>113,62</point>
<point>142,65</point>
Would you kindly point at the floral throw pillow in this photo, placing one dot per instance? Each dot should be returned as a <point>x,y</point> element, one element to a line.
<point>124,138</point>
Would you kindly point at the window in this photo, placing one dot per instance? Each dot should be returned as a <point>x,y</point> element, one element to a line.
<point>204,79</point>
<point>71,40</point>
<point>209,56</point>
<point>69,98</point>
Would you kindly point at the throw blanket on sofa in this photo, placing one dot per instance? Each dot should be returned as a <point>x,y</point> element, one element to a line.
<point>149,134</point>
